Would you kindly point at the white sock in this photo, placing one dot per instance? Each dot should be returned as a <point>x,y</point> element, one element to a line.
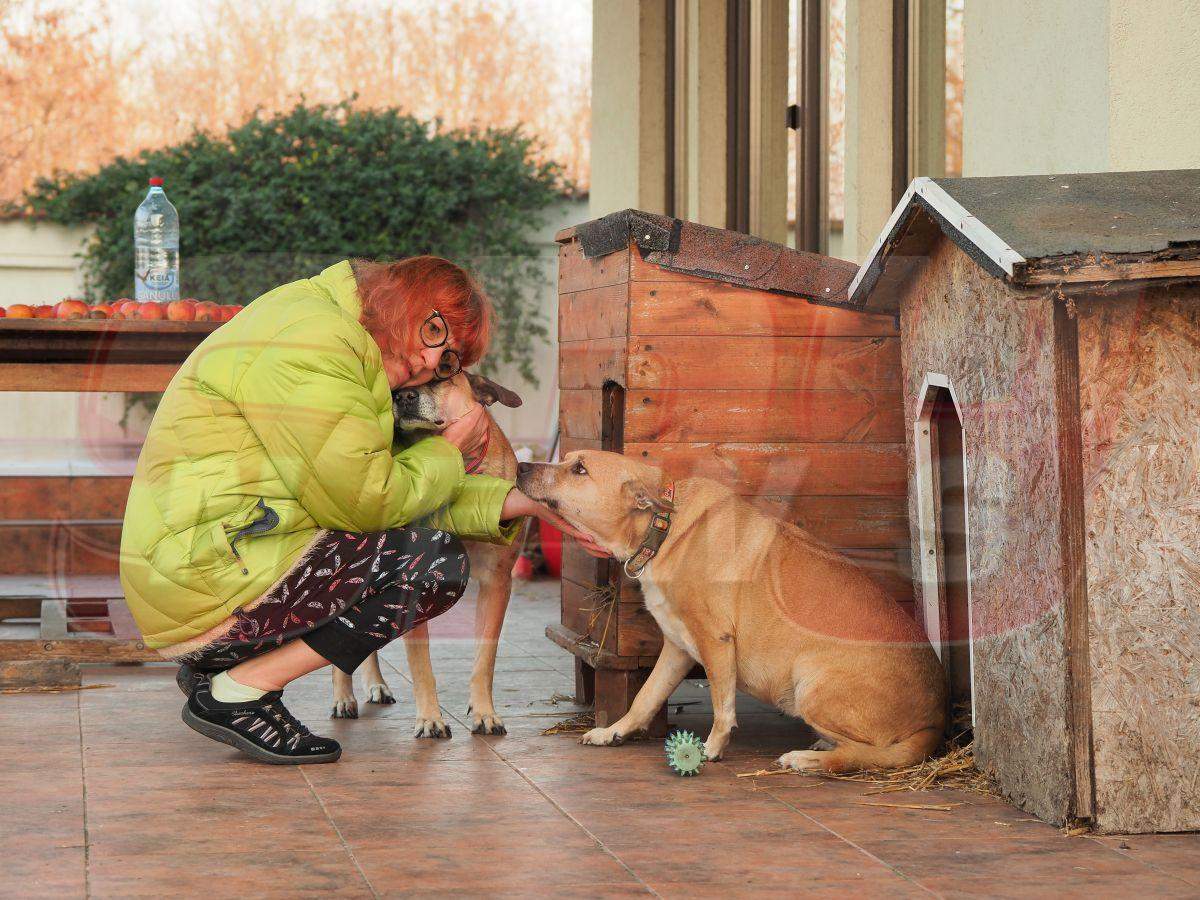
<point>226,690</point>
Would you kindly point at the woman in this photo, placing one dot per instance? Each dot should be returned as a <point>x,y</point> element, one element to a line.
<point>272,527</point>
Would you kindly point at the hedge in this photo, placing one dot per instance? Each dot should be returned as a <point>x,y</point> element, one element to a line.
<point>280,197</point>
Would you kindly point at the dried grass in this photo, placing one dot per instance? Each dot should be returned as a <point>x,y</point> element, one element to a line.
<point>585,721</point>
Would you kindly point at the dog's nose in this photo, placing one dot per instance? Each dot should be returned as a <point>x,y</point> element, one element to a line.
<point>408,396</point>
<point>524,468</point>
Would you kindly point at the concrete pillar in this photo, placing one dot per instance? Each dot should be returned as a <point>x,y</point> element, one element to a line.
<point>1080,85</point>
<point>629,107</point>
<point>868,124</point>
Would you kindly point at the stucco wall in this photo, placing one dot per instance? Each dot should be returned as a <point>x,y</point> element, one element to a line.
<point>1080,86</point>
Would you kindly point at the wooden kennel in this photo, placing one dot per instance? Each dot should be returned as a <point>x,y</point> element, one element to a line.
<point>694,349</point>
<point>1050,334</point>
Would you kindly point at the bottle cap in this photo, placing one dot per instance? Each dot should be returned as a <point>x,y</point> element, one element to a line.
<point>155,182</point>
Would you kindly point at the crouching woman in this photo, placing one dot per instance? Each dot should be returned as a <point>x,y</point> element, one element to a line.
<point>273,527</point>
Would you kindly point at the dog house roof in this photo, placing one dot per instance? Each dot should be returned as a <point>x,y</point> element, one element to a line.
<point>1042,230</point>
<point>715,253</point>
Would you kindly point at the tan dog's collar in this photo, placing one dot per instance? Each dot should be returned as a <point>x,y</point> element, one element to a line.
<point>656,533</point>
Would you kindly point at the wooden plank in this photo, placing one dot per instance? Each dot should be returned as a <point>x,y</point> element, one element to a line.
<point>60,548</point>
<point>593,313</point>
<point>579,413</point>
<point>763,415</point>
<point>12,330</point>
<point>34,497</point>
<point>588,364</point>
<point>873,470</point>
<point>570,444</point>
<point>1074,562</point>
<point>585,649</point>
<point>696,306</point>
<point>749,363</point>
<point>86,377</point>
<point>577,273</point>
<point>1071,273</point>
<point>78,650</point>
<point>580,566</point>
<point>99,497</point>
<point>20,608</point>
<point>124,628</point>
<point>45,673</point>
<point>638,633</point>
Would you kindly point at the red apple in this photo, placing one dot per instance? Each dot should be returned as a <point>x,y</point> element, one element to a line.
<point>207,311</point>
<point>20,311</point>
<point>100,311</point>
<point>43,312</point>
<point>125,308</point>
<point>150,311</point>
<point>229,311</point>
<point>71,309</point>
<point>181,310</point>
<point>2,312</point>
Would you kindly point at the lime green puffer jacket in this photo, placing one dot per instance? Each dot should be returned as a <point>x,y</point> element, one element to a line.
<point>282,417</point>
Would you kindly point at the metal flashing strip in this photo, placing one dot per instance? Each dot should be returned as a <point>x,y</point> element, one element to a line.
<point>955,215</point>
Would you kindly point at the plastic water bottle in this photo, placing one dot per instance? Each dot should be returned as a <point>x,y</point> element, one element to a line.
<point>156,247</point>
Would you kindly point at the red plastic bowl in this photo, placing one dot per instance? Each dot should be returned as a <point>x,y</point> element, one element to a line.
<point>551,547</point>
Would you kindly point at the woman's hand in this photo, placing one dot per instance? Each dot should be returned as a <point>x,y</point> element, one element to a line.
<point>518,503</point>
<point>469,433</point>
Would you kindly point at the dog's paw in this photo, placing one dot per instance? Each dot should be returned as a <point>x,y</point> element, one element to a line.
<point>821,744</point>
<point>801,761</point>
<point>344,708</point>
<point>713,752</point>
<point>380,693</point>
<point>602,737</point>
<point>486,723</point>
<point>431,728</point>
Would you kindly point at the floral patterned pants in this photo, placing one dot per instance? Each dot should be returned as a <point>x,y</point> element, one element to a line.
<point>348,596</point>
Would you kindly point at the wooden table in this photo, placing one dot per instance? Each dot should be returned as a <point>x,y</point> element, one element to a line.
<point>81,620</point>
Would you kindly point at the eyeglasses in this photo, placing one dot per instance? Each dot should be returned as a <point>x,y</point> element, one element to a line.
<point>434,333</point>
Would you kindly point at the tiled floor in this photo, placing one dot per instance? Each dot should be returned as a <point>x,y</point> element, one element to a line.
<point>105,793</point>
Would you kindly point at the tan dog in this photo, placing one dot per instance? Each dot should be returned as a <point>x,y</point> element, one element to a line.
<point>763,607</point>
<point>428,408</point>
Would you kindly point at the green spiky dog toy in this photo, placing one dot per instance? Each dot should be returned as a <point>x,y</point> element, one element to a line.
<point>685,753</point>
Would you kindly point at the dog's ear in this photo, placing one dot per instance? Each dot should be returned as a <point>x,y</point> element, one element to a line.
<point>642,497</point>
<point>488,392</point>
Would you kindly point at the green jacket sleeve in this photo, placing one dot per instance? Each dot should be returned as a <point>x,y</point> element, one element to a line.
<point>475,513</point>
<point>328,432</point>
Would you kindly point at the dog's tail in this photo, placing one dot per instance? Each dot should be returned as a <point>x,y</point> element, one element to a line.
<point>851,756</point>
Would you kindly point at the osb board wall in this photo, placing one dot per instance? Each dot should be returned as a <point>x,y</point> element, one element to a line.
<point>997,349</point>
<point>1139,360</point>
<point>795,406</point>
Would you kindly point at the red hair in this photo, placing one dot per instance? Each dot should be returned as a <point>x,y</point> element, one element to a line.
<point>397,297</point>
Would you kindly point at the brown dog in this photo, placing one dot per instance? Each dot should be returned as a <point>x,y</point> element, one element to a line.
<point>763,607</point>
<point>428,408</point>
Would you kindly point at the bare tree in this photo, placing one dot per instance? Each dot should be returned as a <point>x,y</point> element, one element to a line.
<point>69,100</point>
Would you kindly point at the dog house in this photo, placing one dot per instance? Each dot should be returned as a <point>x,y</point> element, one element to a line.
<point>1050,352</point>
<point>695,349</point>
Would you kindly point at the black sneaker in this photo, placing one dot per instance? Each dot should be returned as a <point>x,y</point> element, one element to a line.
<point>263,728</point>
<point>189,678</point>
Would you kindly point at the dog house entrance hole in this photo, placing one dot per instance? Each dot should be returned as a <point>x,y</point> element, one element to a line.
<point>946,541</point>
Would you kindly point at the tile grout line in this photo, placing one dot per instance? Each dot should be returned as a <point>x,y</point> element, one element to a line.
<point>566,815</point>
<point>338,832</point>
<point>1125,854</point>
<point>87,849</point>
<point>847,840</point>
<point>562,812</point>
